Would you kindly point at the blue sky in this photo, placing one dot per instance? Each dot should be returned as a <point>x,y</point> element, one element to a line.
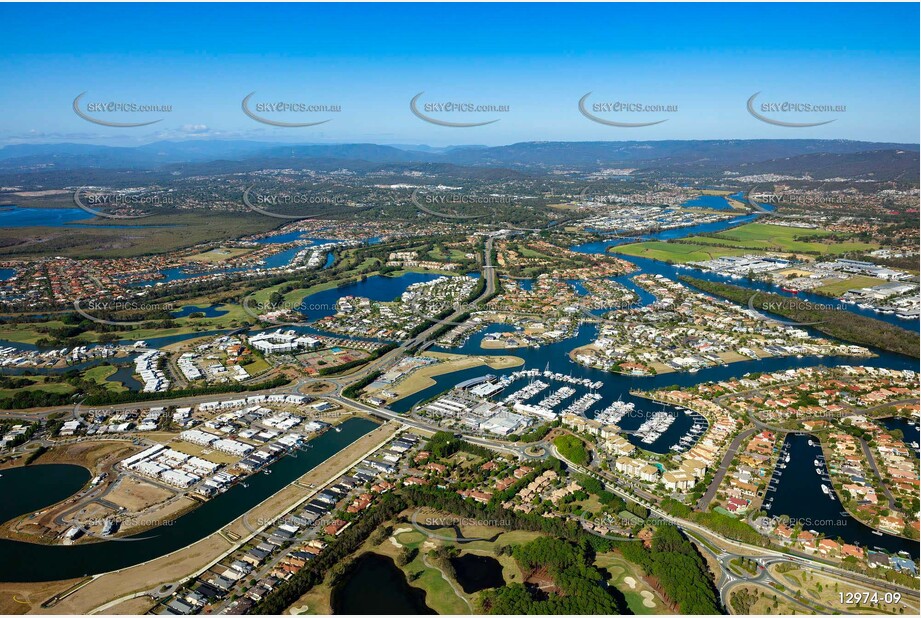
<point>538,59</point>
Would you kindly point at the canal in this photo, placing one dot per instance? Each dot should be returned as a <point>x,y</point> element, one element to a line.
<point>799,495</point>
<point>29,562</point>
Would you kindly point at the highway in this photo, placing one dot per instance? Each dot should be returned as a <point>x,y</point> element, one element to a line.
<point>729,579</point>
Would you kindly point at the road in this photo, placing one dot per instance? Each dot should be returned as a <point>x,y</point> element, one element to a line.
<point>341,382</point>
<point>724,467</point>
<point>388,359</point>
<point>744,549</point>
<point>235,545</point>
<point>872,463</point>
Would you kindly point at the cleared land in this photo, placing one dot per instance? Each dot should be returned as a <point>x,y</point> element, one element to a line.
<point>19,598</point>
<point>422,378</point>
<point>851,283</point>
<point>173,567</point>
<point>675,253</point>
<point>135,494</point>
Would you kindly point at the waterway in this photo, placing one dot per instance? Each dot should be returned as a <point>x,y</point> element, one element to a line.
<point>373,586</point>
<point>908,427</point>
<point>16,216</point>
<point>27,489</point>
<point>277,260</point>
<point>799,495</point>
<point>212,311</point>
<point>28,562</point>
<point>555,357</point>
<point>378,287</point>
<point>672,271</point>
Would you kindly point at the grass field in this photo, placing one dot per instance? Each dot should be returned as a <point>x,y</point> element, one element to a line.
<point>779,238</point>
<point>100,375</point>
<point>675,253</point>
<point>257,366</point>
<point>851,283</point>
<point>452,254</point>
<point>439,593</point>
<point>38,384</point>
<point>766,603</point>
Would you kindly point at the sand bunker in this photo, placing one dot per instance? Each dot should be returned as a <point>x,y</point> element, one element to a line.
<point>630,582</point>
<point>647,598</point>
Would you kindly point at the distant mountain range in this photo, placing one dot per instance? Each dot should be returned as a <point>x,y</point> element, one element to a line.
<point>819,158</point>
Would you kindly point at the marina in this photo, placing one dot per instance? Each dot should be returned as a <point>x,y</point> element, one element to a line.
<point>806,497</point>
